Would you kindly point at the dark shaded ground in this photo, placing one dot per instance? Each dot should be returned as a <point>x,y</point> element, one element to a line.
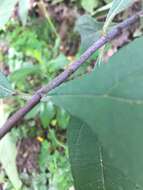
<point>28,150</point>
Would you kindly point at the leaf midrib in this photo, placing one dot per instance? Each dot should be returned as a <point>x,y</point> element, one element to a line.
<point>109,91</point>
<point>105,96</point>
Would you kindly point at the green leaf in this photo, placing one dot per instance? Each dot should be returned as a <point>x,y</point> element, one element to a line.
<point>33,113</point>
<point>8,154</point>
<point>89,5</point>
<point>104,8</point>
<point>44,155</point>
<point>22,73</point>
<point>6,10</point>
<point>117,7</point>
<point>62,118</point>
<point>108,1</point>
<point>91,167</point>
<point>47,113</point>
<point>23,10</point>
<point>109,106</point>
<point>89,30</point>
<point>5,87</point>
<point>58,63</point>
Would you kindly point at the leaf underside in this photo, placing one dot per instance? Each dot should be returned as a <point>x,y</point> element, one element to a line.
<point>106,137</point>
<point>5,87</point>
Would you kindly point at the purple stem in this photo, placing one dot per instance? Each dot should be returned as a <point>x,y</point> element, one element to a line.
<point>35,99</point>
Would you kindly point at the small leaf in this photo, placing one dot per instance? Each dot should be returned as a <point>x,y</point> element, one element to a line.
<point>33,113</point>
<point>89,30</point>
<point>62,118</point>
<point>58,63</point>
<point>5,87</point>
<point>89,5</point>
<point>117,7</point>
<point>6,10</point>
<point>47,112</point>
<point>104,8</point>
<point>21,74</point>
<point>44,155</point>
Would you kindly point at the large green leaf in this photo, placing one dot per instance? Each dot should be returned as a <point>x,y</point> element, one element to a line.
<point>109,103</point>
<point>117,7</point>
<point>6,10</point>
<point>5,87</point>
<point>89,30</point>
<point>92,166</point>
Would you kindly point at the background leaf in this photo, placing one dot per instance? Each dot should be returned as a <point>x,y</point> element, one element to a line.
<point>89,5</point>
<point>8,154</point>
<point>89,30</point>
<point>58,63</point>
<point>6,10</point>
<point>22,73</point>
<point>5,87</point>
<point>117,7</point>
<point>47,113</point>
<point>109,103</point>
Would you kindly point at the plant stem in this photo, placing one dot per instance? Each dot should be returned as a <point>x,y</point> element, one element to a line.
<point>35,99</point>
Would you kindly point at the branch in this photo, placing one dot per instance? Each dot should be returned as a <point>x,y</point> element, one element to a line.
<point>35,99</point>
